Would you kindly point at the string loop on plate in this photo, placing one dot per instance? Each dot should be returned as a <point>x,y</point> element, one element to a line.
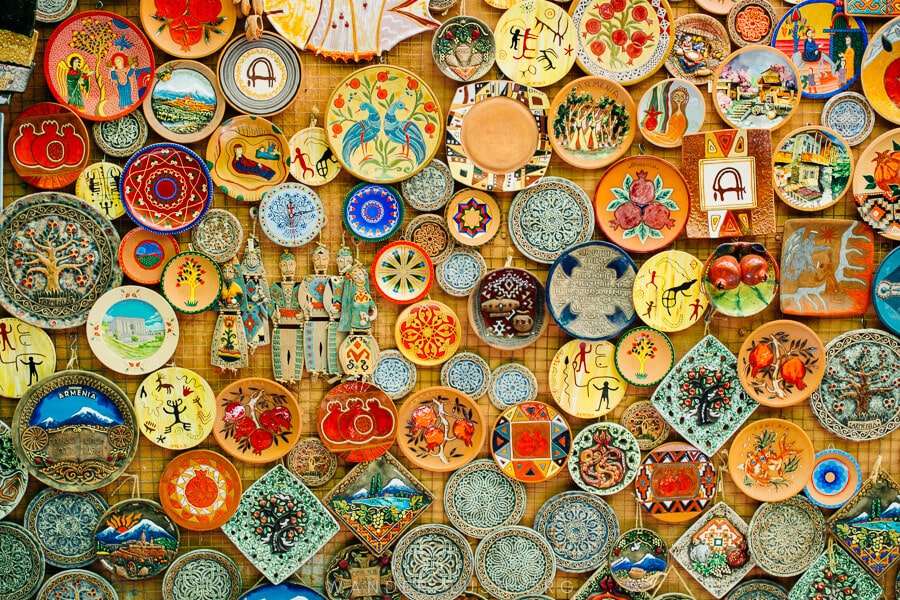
<point>135,484</point>
<point>73,353</point>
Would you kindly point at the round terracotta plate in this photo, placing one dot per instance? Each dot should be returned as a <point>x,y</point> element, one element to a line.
<point>312,161</point>
<point>751,22</point>
<point>605,458</point>
<point>430,232</point>
<point>771,460</point>
<point>548,52</point>
<point>644,356</point>
<point>428,333</point>
<point>876,183</point>
<point>311,462</point>
<point>358,420</point>
<point>836,477</point>
<point>531,442</point>
<point>185,103</point>
<point>850,115</point>
<point>701,44</point>
<point>188,29</point>
<point>373,212</point>
<point>166,188</point>
<point>676,482</point>
<point>473,217</point>
<point>247,156</point>
<point>507,310</point>
<point>28,355</point>
<point>402,272</point>
<point>430,189</point>
<point>642,547</point>
<point>191,281</point>
<point>291,215</point>
<point>48,145</point>
<point>645,424</point>
<point>442,429</point>
<point>174,407</point>
<point>813,168</point>
<point>740,279</point>
<point>259,77</point>
<point>669,110</point>
<point>136,540</point>
<point>98,183</point>
<point>121,137</point>
<point>200,490</point>
<point>781,363</point>
<point>584,380</point>
<point>99,64</point>
<point>463,47</point>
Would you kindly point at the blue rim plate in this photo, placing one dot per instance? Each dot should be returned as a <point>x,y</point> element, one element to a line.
<point>373,212</point>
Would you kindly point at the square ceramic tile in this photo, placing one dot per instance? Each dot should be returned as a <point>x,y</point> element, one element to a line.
<point>835,565</point>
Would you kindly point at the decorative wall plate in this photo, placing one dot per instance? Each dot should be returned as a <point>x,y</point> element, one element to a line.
<point>372,212</point>
<point>63,523</point>
<point>644,356</point>
<point>506,309</point>
<point>875,185</point>
<point>355,573</point>
<point>99,64</point>
<point>498,136</point>
<point>589,291</point>
<point>479,499</point>
<point>645,424</point>
<point>219,235</point>
<point>357,355</point>
<point>395,374</point>
<point>357,419</point>
<point>432,562</point>
<point>531,442</point>
<point>473,217</point>
<point>200,490</point>
<point>605,458</point>
<point>202,573</point>
<point>836,477</point>
<point>430,189</point>
<point>188,30</point>
<point>580,528</point>
<point>676,482</point>
<point>667,293</point>
<point>603,583</point>
<point>768,104</point>
<point>185,103</point>
<point>13,474</point>
<point>135,539</point>
<point>468,373</point>
<point>740,279</point>
<point>259,76</point>
<point>836,565</point>
<point>751,22</point>
<point>257,420</point>
<point>584,380</point>
<point>191,281</point>
<point>60,423</point>
<point>27,355</point>
<point>670,109</point>
<point>312,161</point>
<point>54,11</point>
<point>279,524</point>
<point>700,45</point>
<point>771,460</point>
<point>98,183</point>
<point>311,462</point>
<point>592,121</point>
<point>166,188</point>
<point>786,537</point>
<point>291,214</point>
<point>402,272</point>
<point>549,217</point>
<point>74,583</point>
<point>514,561</point>
<point>512,383</point>
<point>283,591</point>
<point>442,429</point>
<point>730,182</point>
<point>427,333</point>
<point>370,492</point>
<point>22,568</point>
<point>702,398</point>
<point>859,398</point>
<point>641,203</point>
<point>48,145</point>
<point>121,137</point>
<point>757,589</point>
<point>463,47</point>
<point>132,330</point>
<point>851,115</point>
<point>714,549</point>
<point>247,156</point>
<point>402,128</point>
<point>716,7</point>
<point>826,267</point>
<point>461,271</point>
<point>639,560</point>
<point>813,168</point>
<point>430,232</point>
<point>605,53</point>
<point>548,53</point>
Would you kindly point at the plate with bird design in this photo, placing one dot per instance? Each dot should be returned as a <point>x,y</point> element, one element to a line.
<point>384,123</point>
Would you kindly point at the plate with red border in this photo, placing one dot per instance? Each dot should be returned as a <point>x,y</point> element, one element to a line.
<point>200,490</point>
<point>48,145</point>
<point>143,254</point>
<point>402,272</point>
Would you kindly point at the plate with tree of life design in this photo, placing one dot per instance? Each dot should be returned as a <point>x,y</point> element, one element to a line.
<point>514,561</point>
<point>136,540</point>
<point>191,282</point>
<point>676,482</point>
<point>584,380</point>
<point>605,458</point>
<point>21,564</point>
<point>64,523</point>
<point>580,528</point>
<point>76,583</point>
<point>771,460</point>
<point>668,293</point>
<point>200,490</point>
<point>531,442</point>
<point>432,562</point>
<point>644,356</point>
<point>786,537</point>
<point>836,565</point>
<point>479,498</point>
<point>836,478</point>
<point>645,424</point>
<point>311,462</point>
<point>202,574</point>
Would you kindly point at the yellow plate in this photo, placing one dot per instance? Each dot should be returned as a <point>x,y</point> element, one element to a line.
<point>668,293</point>
<point>536,43</point>
<point>27,355</point>
<point>428,333</point>
<point>881,66</point>
<point>175,408</point>
<point>99,185</point>
<point>312,161</point>
<point>584,380</point>
<point>247,156</point>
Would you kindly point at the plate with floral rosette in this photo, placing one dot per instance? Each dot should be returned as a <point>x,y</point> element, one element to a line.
<point>605,458</point>
<point>514,561</point>
<point>430,189</point>
<point>357,420</point>
<point>395,374</point>
<point>442,429</point>
<point>136,539</point>
<point>76,583</point>
<point>188,28</point>
<point>473,217</point>
<point>751,22</point>
<point>200,490</point>
<point>200,574</point>
<point>479,499</point>
<point>22,562</point>
<point>402,272</point>
<point>625,41</point>
<point>247,156</point>
<point>836,478</point>
<point>786,537</point>
<point>384,123</point>
<point>850,115</point>
<point>531,442</point>
<point>64,523</point>
<point>428,333</point>
<point>676,482</point>
<point>645,424</point>
<point>580,528</point>
<point>669,110</point>
<point>185,102</point>
<point>461,271</point>
<point>121,137</point>
<point>512,383</point>
<point>771,460</point>
<point>432,562</point>
<point>48,145</point>
<point>468,373</point>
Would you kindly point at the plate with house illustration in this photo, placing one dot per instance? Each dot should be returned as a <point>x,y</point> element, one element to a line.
<point>479,498</point>
<point>813,168</point>
<point>185,103</point>
<point>259,76</point>
<point>200,490</point>
<point>247,156</point>
<point>136,540</point>
<point>580,528</point>
<point>771,460</point>
<point>64,524</point>
<point>48,145</point>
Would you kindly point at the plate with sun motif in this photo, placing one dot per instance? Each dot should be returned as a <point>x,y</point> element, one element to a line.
<point>200,490</point>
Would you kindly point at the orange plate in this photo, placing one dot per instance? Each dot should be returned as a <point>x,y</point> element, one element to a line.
<point>358,420</point>
<point>143,254</point>
<point>200,490</point>
<point>428,333</point>
<point>771,460</point>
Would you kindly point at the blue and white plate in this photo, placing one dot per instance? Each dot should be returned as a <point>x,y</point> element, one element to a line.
<point>373,212</point>
<point>510,384</point>
<point>468,373</point>
<point>580,528</point>
<point>461,271</point>
<point>282,591</point>
<point>479,498</point>
<point>836,478</point>
<point>394,374</point>
<point>64,524</point>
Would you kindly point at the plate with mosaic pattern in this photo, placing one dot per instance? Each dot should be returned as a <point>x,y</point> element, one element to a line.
<point>64,523</point>
<point>468,373</point>
<point>430,189</point>
<point>461,272</point>
<point>514,561</point>
<point>580,528</point>
<point>786,537</point>
<point>512,383</point>
<point>21,563</point>
<point>432,562</point>
<point>395,374</point>
<point>479,499</point>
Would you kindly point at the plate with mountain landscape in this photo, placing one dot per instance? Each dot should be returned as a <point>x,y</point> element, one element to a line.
<point>185,103</point>
<point>136,539</point>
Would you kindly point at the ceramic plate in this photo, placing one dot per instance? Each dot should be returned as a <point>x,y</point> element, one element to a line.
<point>751,22</point>
<point>507,310</point>
<point>74,583</point>
<point>813,168</point>
<point>13,474</point>
<point>430,189</point>
<point>473,217</point>
<point>202,573</point>
<point>132,330</point>
<point>580,529</point>
<point>670,109</point>
<point>219,235</point>
<point>64,524</point>
<point>200,490</point>
<point>371,574</point>
<point>463,47</point>
<point>402,272</point>
<point>48,145</point>
<point>395,374</point>
<point>605,458</point>
<point>468,373</point>
<point>188,30</point>
<point>282,591</point>
<point>740,279</point>
<point>427,333</point>
<point>311,462</point>
<point>771,460</point>
<point>291,215</point>
<point>667,293</point>
<point>531,442</point>
<point>839,564</point>
<point>135,539</point>
<point>257,420</point>
<point>676,482</point>
<point>548,52</point>
<point>836,477</point>
<point>786,537</point>
<point>121,137</point>
<point>512,383</point>
<point>402,128</point>
<point>514,561</point>
<point>54,11</point>
<point>644,356</point>
<point>875,184</point>
<point>99,64</point>
<point>498,136</point>
<point>859,398</point>
<point>174,407</point>
<point>644,549</point>
<point>358,420</point>
<point>850,115</point>
<point>701,44</point>
<point>430,232</point>
<point>27,355</point>
<point>757,589</point>
<point>641,203</point>
<point>602,582</point>
<point>461,271</point>
<point>191,281</point>
<point>549,217</point>
<point>259,77</point>
<point>166,188</point>
<point>718,7</point>
<point>584,380</point>
<point>645,424</point>
<point>766,106</point>
<point>373,212</point>
<point>479,499</point>
<point>312,160</point>
<point>185,103</point>
<point>432,562</point>
<point>98,183</point>
<point>23,562</point>
<point>247,156</point>
<point>589,291</point>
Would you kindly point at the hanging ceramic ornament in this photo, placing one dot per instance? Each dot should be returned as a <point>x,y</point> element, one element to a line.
<point>580,528</point>
<point>639,560</point>
<point>98,183</point>
<point>605,458</point>
<point>312,160</point>
<point>356,563</point>
<point>427,333</point>
<point>700,45</point>
<point>27,355</point>
<point>584,380</point>
<point>143,254</point>
<point>256,285</point>
<point>740,279</point>
<point>834,575</point>
<point>185,103</point>
<point>260,75</point>
<point>200,490</point>
<point>463,48</point>
<point>247,156</point>
<point>473,217</point>
<point>288,319</point>
<point>218,235</point>
<point>757,589</point>
<point>645,424</point>
<point>512,383</point>
<point>319,297</point>
<point>531,442</point>
<point>479,499</point>
<point>602,585</point>
<point>669,110</point>
<point>430,189</point>
<point>676,482</point>
<point>175,408</point>
<point>357,420</point>
<point>402,272</point>
<point>513,561</point>
<point>825,160</point>
<point>786,537</point>
<point>461,271</point>
<point>191,282</point>
<point>836,478</point>
<point>230,350</point>
<point>507,310</point>
<point>644,356</point>
<point>13,474</point>
<point>536,43</point>
<point>851,115</point>
<point>136,539</point>
<point>667,292</point>
<point>358,353</point>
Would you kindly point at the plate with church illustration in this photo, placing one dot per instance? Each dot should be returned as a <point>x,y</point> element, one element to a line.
<point>136,539</point>
<point>670,109</point>
<point>132,330</point>
<point>813,168</point>
<point>876,182</point>
<point>175,408</point>
<point>592,122</point>
<point>27,355</point>
<point>185,103</point>
<point>64,523</point>
<point>200,490</point>
<point>259,76</point>
<point>531,442</point>
<point>75,431</point>
<point>99,64</point>
<point>48,145</point>
<point>60,258</point>
<point>247,156</point>
<point>771,460</point>
<point>189,30</point>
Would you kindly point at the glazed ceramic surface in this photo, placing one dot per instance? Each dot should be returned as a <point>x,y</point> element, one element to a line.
<point>463,47</point>
<point>461,271</point>
<point>432,562</point>
<point>757,87</point>
<point>373,212</point>
<point>219,235</point>
<point>836,477</point>
<point>358,419</point>
<point>514,561</point>
<point>432,234</point>
<point>282,591</point>
<point>402,272</point>
<point>751,22</point>
<point>428,333</point>
<point>645,424</point>
<point>202,574</point>
<point>605,458</point>
<point>531,442</point>
<point>312,162</point>
<point>786,537</point>
<point>506,309</point>
<point>641,548</point>
<point>74,584</point>
<point>874,186</point>
<point>54,11</point>
<point>836,564</point>
<point>121,137</point>
<point>669,110</point>
<point>64,524</point>
<point>851,115</point>
<point>143,254</point>
<point>544,52</point>
<point>757,286</point>
<point>191,281</point>
<point>430,189</point>
<point>813,168</point>
<point>13,474</point>
<point>771,460</point>
<point>676,482</point>
<point>602,582</point>
<point>667,292</point>
<point>185,103</point>
<point>644,356</point>
<point>259,76</point>
<point>700,45</point>
<point>188,30</point>
<point>584,380</point>
<point>136,540</point>
<point>354,572</point>
<point>512,383</point>
<point>759,589</point>
<point>395,374</point>
<point>48,145</point>
<point>291,215</point>
<point>200,490</point>
<point>580,529</point>
<point>468,373</point>
<point>247,156</point>
<point>479,499</point>
<point>879,64</point>
<point>98,183</point>
<point>311,462</point>
<point>473,217</point>
<point>27,355</point>
<point>22,567</point>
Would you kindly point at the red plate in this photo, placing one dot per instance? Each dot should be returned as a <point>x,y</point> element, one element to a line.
<point>48,146</point>
<point>143,255</point>
<point>358,420</point>
<point>403,272</point>
<point>200,490</point>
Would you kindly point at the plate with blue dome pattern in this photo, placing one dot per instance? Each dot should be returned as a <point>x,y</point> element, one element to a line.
<point>468,373</point>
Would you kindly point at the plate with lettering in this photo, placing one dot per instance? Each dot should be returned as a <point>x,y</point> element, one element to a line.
<point>259,76</point>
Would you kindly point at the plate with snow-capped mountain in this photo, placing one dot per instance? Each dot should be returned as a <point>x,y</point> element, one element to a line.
<point>639,560</point>
<point>135,539</point>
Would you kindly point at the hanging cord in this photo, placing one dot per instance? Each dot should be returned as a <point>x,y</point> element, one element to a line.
<point>509,256</point>
<point>135,484</point>
<point>73,363</point>
<point>638,515</point>
<point>707,319</point>
<point>876,471</point>
<point>720,475</point>
<point>314,117</point>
